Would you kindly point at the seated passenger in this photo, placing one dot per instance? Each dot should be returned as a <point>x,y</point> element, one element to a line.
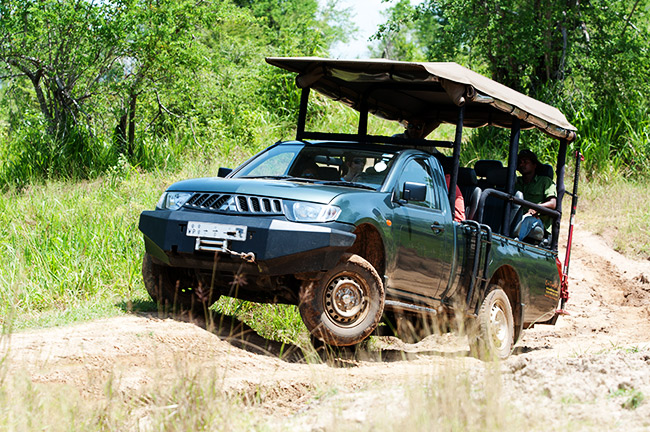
<point>354,167</point>
<point>459,204</point>
<point>418,128</point>
<point>538,190</point>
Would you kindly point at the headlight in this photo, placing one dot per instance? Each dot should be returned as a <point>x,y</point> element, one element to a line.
<point>173,200</point>
<point>310,212</point>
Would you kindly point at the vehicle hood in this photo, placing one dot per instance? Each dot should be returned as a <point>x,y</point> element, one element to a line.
<point>284,189</point>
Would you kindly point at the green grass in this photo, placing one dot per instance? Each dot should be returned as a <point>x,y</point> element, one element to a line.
<point>630,398</point>
<point>618,210</point>
<point>73,251</point>
<point>277,322</point>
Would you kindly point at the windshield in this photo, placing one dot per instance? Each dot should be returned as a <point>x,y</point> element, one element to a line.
<point>321,164</point>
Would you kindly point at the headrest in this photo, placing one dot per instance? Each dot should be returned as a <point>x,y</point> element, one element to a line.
<point>328,173</point>
<point>467,177</point>
<point>545,170</point>
<point>482,167</point>
<point>497,177</point>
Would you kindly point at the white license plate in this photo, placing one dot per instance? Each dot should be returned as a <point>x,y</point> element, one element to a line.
<point>216,231</point>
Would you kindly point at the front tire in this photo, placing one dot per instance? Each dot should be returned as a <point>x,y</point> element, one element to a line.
<point>343,307</point>
<point>176,289</point>
<point>493,336</point>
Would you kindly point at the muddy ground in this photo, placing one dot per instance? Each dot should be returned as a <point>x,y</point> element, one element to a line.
<point>589,372</point>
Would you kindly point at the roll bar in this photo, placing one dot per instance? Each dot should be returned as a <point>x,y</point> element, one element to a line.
<point>513,150</point>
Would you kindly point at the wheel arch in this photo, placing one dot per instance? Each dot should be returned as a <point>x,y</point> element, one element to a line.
<point>507,278</point>
<point>369,245</point>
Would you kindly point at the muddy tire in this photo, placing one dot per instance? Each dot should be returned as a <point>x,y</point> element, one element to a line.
<point>343,307</point>
<point>176,289</point>
<point>493,333</point>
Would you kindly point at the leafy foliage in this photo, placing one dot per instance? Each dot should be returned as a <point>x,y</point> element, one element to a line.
<point>64,49</point>
<point>588,58</point>
<point>86,81</point>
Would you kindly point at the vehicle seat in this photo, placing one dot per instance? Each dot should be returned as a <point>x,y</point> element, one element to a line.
<point>467,183</point>
<point>545,170</point>
<point>328,173</point>
<point>493,214</point>
<point>495,207</point>
<point>535,238</point>
<point>517,213</point>
<point>482,167</point>
<point>496,178</point>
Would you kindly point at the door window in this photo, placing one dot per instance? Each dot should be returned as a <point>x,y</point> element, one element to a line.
<point>417,171</point>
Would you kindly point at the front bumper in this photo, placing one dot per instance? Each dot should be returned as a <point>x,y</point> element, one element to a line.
<point>280,247</point>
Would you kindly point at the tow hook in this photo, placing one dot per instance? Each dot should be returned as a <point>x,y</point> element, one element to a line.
<point>246,256</point>
<point>219,245</point>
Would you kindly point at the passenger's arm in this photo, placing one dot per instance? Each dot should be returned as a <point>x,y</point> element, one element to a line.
<point>549,204</point>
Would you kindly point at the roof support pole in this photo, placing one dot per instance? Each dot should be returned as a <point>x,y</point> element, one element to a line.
<point>561,189</point>
<point>453,180</point>
<point>302,114</point>
<point>363,118</point>
<point>515,131</point>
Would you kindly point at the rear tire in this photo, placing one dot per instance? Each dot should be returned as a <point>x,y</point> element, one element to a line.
<point>493,334</point>
<point>176,289</point>
<point>343,307</point>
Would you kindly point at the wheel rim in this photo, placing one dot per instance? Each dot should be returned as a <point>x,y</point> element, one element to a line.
<point>346,300</point>
<point>498,325</point>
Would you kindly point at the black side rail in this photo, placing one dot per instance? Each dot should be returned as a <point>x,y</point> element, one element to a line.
<point>483,235</point>
<point>554,214</point>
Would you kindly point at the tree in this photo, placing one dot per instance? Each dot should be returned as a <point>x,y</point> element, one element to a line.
<point>64,49</point>
<point>83,81</point>
<point>526,44</point>
<point>580,55</point>
<point>164,51</point>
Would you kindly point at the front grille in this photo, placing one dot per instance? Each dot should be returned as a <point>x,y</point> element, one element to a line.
<point>235,204</point>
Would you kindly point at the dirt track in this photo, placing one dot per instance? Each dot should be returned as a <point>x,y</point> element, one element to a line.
<point>581,372</point>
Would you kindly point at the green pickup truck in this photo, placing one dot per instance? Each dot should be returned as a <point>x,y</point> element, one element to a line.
<point>358,230</point>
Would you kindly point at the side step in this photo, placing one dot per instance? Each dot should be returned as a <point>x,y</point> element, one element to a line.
<point>397,305</point>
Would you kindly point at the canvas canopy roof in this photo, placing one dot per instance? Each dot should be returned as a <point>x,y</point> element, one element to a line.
<point>400,91</point>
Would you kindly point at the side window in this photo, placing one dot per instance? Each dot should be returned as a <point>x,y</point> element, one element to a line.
<point>417,171</point>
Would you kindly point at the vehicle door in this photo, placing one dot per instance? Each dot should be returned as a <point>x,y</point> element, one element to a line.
<point>425,239</point>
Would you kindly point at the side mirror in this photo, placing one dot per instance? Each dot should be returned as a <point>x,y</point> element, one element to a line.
<point>414,192</point>
<point>223,172</point>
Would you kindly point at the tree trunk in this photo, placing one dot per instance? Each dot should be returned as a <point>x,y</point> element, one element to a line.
<point>132,105</point>
<point>35,78</point>
<point>119,139</point>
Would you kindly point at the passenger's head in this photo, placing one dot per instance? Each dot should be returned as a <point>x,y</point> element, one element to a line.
<point>355,162</point>
<point>415,129</point>
<point>355,165</point>
<point>527,162</point>
<point>420,127</point>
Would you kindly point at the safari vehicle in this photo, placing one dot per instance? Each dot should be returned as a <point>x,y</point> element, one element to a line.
<point>380,249</point>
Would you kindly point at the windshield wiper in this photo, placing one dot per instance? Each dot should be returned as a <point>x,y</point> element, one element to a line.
<point>347,183</point>
<point>273,177</point>
<point>283,177</point>
<point>312,180</point>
